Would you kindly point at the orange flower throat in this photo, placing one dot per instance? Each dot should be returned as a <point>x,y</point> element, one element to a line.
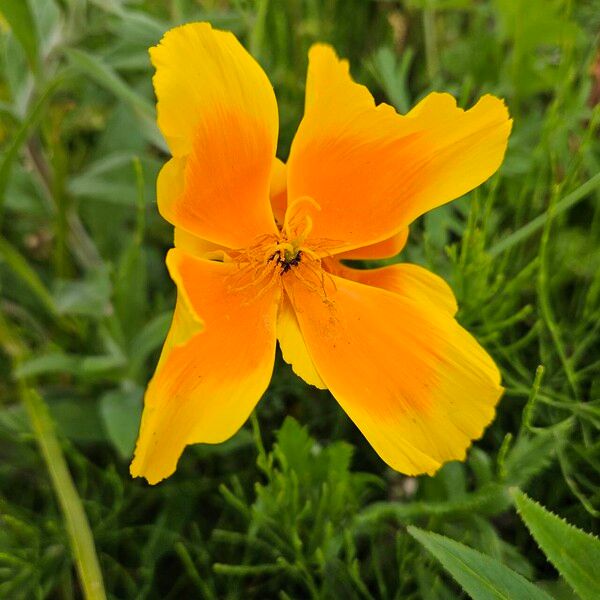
<point>273,256</point>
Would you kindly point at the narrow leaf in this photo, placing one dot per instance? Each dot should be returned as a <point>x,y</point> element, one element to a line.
<point>21,136</point>
<point>574,553</point>
<point>538,223</point>
<point>482,577</point>
<point>19,17</point>
<point>121,411</point>
<point>149,338</point>
<point>104,75</point>
<point>20,267</point>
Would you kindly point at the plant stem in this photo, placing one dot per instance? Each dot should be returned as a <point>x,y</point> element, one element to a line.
<point>431,52</point>
<point>538,223</point>
<point>78,528</point>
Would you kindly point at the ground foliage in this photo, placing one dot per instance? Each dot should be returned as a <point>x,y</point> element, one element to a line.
<point>297,504</point>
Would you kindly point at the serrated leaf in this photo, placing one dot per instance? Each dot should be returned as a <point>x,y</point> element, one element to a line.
<point>531,455</point>
<point>294,446</point>
<point>490,499</point>
<point>482,577</point>
<point>574,553</point>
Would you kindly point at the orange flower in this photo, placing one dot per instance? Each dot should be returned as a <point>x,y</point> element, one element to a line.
<point>257,249</point>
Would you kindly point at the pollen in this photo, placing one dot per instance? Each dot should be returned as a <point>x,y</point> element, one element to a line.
<point>285,259</point>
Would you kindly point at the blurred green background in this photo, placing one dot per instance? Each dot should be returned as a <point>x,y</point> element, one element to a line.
<point>297,504</point>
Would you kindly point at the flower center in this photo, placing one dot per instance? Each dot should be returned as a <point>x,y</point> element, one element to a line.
<point>273,256</point>
<point>286,258</point>
<point>289,249</point>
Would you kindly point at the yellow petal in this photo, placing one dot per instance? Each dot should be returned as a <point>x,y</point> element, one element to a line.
<point>408,280</point>
<point>184,326</point>
<point>278,191</point>
<point>293,348</point>
<point>196,246</point>
<point>373,171</point>
<point>218,113</point>
<point>417,385</point>
<point>207,384</point>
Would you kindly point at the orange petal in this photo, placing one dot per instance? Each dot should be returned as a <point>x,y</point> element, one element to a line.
<point>408,280</point>
<point>385,249</point>
<point>372,171</point>
<point>293,348</point>
<point>184,326</point>
<point>278,191</point>
<point>218,113</point>
<point>196,246</point>
<point>417,385</point>
<point>207,384</point>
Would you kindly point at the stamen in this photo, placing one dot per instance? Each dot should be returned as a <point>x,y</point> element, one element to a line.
<point>290,212</point>
<point>262,265</point>
<point>298,239</point>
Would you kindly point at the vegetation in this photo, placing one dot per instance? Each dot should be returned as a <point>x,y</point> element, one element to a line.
<point>297,504</point>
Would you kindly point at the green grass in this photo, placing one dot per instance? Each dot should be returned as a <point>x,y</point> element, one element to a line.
<point>296,507</point>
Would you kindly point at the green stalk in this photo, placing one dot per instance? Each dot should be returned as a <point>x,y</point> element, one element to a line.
<point>78,528</point>
<point>432,58</point>
<point>545,305</point>
<point>257,33</point>
<point>538,223</point>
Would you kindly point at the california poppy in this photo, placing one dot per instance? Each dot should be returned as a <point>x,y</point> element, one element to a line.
<point>258,245</point>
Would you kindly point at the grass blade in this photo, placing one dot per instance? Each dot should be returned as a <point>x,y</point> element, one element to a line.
<point>19,17</point>
<point>524,232</point>
<point>76,522</point>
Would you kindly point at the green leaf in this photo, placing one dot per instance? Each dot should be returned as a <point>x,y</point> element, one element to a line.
<point>101,73</point>
<point>20,267</point>
<point>490,499</point>
<point>149,338</point>
<point>109,178</point>
<point>121,411</point>
<point>76,418</point>
<point>482,577</point>
<point>532,454</point>
<point>582,192</point>
<point>574,553</point>
<point>20,137</point>
<point>84,367</point>
<point>89,296</point>
<point>52,362</point>
<point>20,18</point>
<point>131,281</point>
<point>393,76</point>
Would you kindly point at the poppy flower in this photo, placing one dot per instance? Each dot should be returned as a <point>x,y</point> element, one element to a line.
<point>259,246</point>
